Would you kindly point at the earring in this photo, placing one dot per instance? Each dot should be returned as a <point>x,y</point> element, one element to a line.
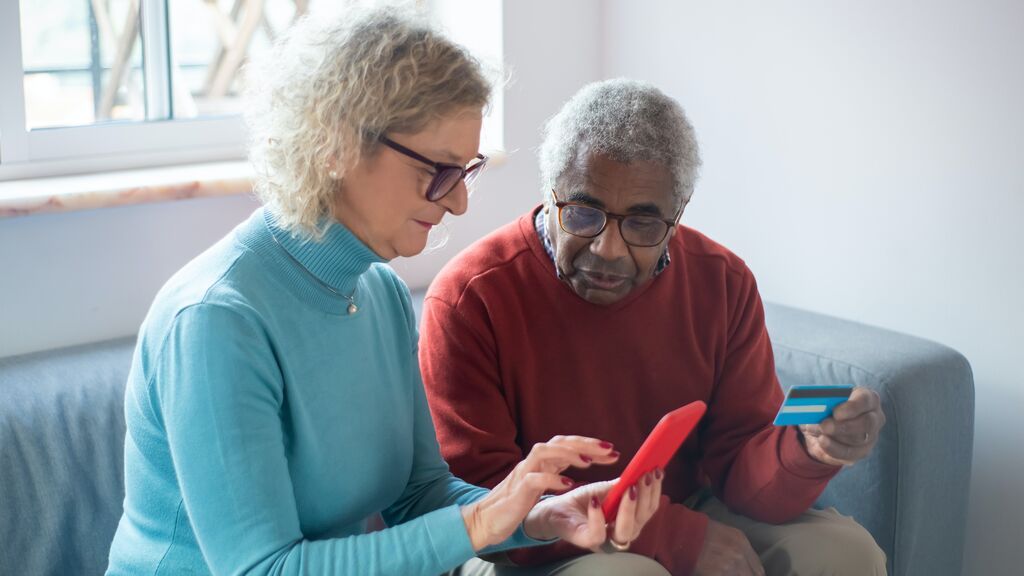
<point>333,174</point>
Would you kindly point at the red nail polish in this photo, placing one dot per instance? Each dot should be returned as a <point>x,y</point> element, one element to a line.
<point>615,454</point>
<point>606,445</point>
<point>632,492</point>
<point>647,480</point>
<point>586,459</point>
<point>594,503</point>
<point>657,473</point>
<point>566,481</point>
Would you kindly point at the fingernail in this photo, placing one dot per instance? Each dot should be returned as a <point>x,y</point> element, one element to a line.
<point>606,445</point>
<point>586,459</point>
<point>657,473</point>
<point>632,492</point>
<point>594,503</point>
<point>566,481</point>
<point>614,454</point>
<point>647,479</point>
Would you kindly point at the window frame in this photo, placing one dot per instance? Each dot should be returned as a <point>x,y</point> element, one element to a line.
<point>111,145</point>
<point>127,145</point>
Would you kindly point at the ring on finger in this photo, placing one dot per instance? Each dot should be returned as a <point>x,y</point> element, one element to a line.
<point>619,547</point>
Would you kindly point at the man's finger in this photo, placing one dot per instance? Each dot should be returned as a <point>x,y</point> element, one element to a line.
<point>845,453</point>
<point>859,431</point>
<point>861,400</point>
<point>813,430</point>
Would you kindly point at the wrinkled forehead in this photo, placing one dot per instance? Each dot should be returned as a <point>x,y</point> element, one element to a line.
<point>623,187</point>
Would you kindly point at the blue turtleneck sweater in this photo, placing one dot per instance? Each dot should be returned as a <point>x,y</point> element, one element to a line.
<point>266,424</point>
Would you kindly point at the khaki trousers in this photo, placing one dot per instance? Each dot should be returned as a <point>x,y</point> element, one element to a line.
<point>819,542</point>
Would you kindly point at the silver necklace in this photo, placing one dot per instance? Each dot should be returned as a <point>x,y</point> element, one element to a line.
<point>351,299</point>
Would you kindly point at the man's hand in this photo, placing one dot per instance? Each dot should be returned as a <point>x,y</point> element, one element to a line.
<point>727,551</point>
<point>850,433</point>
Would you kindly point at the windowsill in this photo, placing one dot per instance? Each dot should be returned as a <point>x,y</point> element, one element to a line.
<point>123,188</point>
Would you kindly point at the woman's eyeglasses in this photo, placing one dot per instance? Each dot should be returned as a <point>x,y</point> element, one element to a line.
<point>446,175</point>
<point>589,222</point>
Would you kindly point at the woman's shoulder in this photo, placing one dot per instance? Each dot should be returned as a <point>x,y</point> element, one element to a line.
<point>215,279</point>
<point>391,291</point>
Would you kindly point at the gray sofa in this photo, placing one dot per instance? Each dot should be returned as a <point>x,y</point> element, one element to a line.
<point>62,430</point>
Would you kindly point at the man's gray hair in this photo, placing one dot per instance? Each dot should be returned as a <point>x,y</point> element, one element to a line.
<point>627,121</point>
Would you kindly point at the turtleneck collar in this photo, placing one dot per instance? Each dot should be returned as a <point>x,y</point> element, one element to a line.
<point>338,259</point>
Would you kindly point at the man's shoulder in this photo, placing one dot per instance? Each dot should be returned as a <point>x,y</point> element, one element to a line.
<point>701,252</point>
<point>494,254</point>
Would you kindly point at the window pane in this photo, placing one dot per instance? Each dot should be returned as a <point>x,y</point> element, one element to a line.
<point>211,41</point>
<point>82,62</point>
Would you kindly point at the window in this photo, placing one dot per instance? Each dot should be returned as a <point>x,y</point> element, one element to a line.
<point>93,85</point>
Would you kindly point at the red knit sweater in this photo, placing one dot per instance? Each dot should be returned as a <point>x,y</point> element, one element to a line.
<point>511,356</point>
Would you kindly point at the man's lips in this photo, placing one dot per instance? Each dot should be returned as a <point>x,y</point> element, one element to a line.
<point>603,281</point>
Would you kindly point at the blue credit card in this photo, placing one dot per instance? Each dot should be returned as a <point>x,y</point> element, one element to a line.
<point>811,404</point>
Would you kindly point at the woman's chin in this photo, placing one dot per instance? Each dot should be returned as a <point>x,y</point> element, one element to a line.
<point>412,246</point>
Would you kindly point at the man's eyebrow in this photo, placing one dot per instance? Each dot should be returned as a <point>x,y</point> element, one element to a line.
<point>646,208</point>
<point>581,197</point>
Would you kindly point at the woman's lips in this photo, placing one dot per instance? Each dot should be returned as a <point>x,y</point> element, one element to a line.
<point>603,281</point>
<point>426,225</point>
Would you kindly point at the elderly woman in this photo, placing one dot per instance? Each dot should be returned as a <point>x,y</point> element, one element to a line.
<point>275,403</point>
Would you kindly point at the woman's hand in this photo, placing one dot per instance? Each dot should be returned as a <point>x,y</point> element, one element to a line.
<point>577,518</point>
<point>494,518</point>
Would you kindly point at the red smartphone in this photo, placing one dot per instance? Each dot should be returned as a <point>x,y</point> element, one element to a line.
<point>659,447</point>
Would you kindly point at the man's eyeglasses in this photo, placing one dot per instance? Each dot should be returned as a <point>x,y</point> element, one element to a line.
<point>589,222</point>
<point>446,175</point>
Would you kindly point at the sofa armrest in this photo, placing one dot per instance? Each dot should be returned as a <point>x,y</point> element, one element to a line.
<point>62,457</point>
<point>911,493</point>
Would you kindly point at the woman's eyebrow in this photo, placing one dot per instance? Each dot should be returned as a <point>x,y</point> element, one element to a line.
<point>449,156</point>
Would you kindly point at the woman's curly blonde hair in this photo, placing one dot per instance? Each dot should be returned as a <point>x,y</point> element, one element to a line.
<point>331,86</point>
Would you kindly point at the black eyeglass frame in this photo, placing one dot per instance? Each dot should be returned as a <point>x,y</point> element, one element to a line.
<point>620,218</point>
<point>442,170</point>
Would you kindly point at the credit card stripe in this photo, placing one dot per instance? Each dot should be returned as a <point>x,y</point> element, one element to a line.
<point>787,409</point>
<point>832,392</point>
<point>806,401</point>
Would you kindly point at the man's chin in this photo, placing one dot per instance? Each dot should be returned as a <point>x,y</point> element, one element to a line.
<point>600,296</point>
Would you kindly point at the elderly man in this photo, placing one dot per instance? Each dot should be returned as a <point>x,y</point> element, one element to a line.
<point>597,312</point>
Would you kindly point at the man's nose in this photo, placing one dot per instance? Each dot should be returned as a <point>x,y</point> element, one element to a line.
<point>609,244</point>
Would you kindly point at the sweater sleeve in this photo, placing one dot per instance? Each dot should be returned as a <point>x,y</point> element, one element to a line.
<point>478,433</point>
<point>432,484</point>
<point>217,391</point>
<point>757,469</point>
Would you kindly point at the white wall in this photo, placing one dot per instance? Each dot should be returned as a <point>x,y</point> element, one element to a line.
<point>85,276</point>
<point>867,160</point>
